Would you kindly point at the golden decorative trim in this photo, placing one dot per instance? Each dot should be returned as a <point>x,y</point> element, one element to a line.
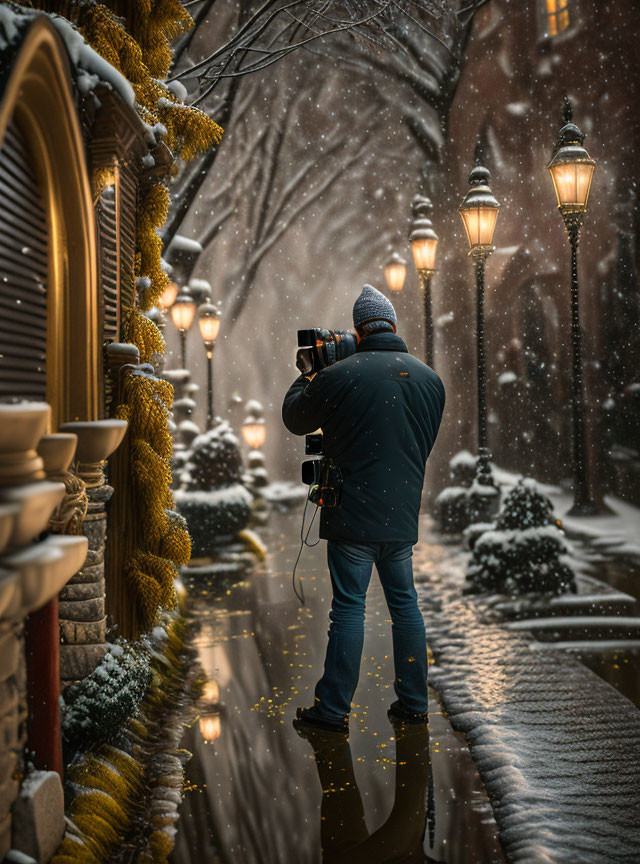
<point>39,95</point>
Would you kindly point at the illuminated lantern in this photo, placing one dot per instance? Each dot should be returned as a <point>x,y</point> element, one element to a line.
<point>168,296</point>
<point>254,432</point>
<point>183,312</point>
<point>479,211</point>
<point>571,169</point>
<point>209,324</point>
<point>210,726</point>
<point>395,271</point>
<point>423,238</point>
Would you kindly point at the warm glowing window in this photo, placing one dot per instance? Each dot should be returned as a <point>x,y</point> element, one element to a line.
<point>557,16</point>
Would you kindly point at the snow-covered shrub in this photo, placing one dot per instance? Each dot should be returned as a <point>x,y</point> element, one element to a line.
<point>215,502</point>
<point>214,515</point>
<point>96,709</point>
<point>522,551</point>
<point>215,459</point>
<point>457,507</point>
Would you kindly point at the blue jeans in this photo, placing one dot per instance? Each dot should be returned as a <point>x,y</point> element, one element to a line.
<point>350,566</point>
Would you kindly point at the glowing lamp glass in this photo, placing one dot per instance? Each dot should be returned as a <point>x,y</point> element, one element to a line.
<point>572,183</point>
<point>254,434</point>
<point>424,252</point>
<point>395,275</point>
<point>168,296</point>
<point>183,312</point>
<point>479,223</point>
<point>209,328</point>
<point>210,726</point>
<point>211,691</point>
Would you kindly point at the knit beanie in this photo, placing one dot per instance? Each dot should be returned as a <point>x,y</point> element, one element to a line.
<point>372,305</point>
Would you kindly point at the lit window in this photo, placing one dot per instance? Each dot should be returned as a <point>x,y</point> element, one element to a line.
<point>557,16</point>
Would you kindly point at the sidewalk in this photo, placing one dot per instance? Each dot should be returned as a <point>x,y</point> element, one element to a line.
<point>556,746</point>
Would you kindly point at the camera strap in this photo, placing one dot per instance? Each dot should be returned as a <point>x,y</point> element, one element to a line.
<point>303,542</point>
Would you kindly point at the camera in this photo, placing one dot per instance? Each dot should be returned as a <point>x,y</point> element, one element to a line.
<point>321,474</point>
<point>319,348</point>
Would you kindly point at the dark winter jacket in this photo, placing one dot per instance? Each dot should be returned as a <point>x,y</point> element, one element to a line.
<point>379,410</point>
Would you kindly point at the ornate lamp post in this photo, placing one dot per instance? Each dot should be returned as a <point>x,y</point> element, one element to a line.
<point>571,170</point>
<point>424,240</point>
<point>479,212</point>
<point>209,323</point>
<point>182,314</point>
<point>395,271</point>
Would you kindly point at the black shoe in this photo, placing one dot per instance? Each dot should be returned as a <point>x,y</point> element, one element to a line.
<point>309,716</point>
<point>398,714</point>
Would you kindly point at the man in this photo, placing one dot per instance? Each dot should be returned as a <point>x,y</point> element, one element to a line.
<point>379,410</point>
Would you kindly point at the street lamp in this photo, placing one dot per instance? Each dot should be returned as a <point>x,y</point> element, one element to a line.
<point>182,314</point>
<point>209,323</point>
<point>424,240</point>
<point>479,212</point>
<point>254,432</point>
<point>571,170</point>
<point>395,271</point>
<point>168,296</point>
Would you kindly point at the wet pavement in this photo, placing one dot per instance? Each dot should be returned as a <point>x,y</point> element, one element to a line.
<point>254,787</point>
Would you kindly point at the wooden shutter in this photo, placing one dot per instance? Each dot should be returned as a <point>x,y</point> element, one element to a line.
<point>107,219</point>
<point>128,197</point>
<point>23,273</point>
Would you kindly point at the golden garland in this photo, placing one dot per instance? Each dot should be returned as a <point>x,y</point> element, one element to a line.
<point>152,215</point>
<point>143,56</point>
<point>162,543</point>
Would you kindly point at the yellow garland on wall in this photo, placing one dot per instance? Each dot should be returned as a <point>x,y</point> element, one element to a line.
<point>155,544</point>
<point>152,215</point>
<point>161,542</point>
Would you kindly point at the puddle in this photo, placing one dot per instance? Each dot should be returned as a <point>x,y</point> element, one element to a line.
<point>253,788</point>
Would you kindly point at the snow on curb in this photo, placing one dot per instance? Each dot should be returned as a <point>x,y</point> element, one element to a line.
<point>556,747</point>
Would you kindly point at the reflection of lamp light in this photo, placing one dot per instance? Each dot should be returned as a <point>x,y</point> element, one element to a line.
<point>210,726</point>
<point>395,271</point>
<point>254,432</point>
<point>211,691</point>
<point>168,296</point>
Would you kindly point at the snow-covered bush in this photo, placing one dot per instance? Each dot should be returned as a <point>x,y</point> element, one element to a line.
<point>95,710</point>
<point>522,551</point>
<point>215,502</point>
<point>215,459</point>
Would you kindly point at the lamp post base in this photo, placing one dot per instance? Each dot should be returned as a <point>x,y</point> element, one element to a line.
<point>589,508</point>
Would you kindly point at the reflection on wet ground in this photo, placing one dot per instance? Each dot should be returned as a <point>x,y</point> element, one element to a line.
<point>255,787</point>
<point>619,665</point>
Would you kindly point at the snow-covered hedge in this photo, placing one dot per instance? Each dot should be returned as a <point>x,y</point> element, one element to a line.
<point>95,710</point>
<point>523,551</point>
<point>215,502</point>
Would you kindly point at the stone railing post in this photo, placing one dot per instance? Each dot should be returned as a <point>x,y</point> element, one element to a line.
<point>82,616</point>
